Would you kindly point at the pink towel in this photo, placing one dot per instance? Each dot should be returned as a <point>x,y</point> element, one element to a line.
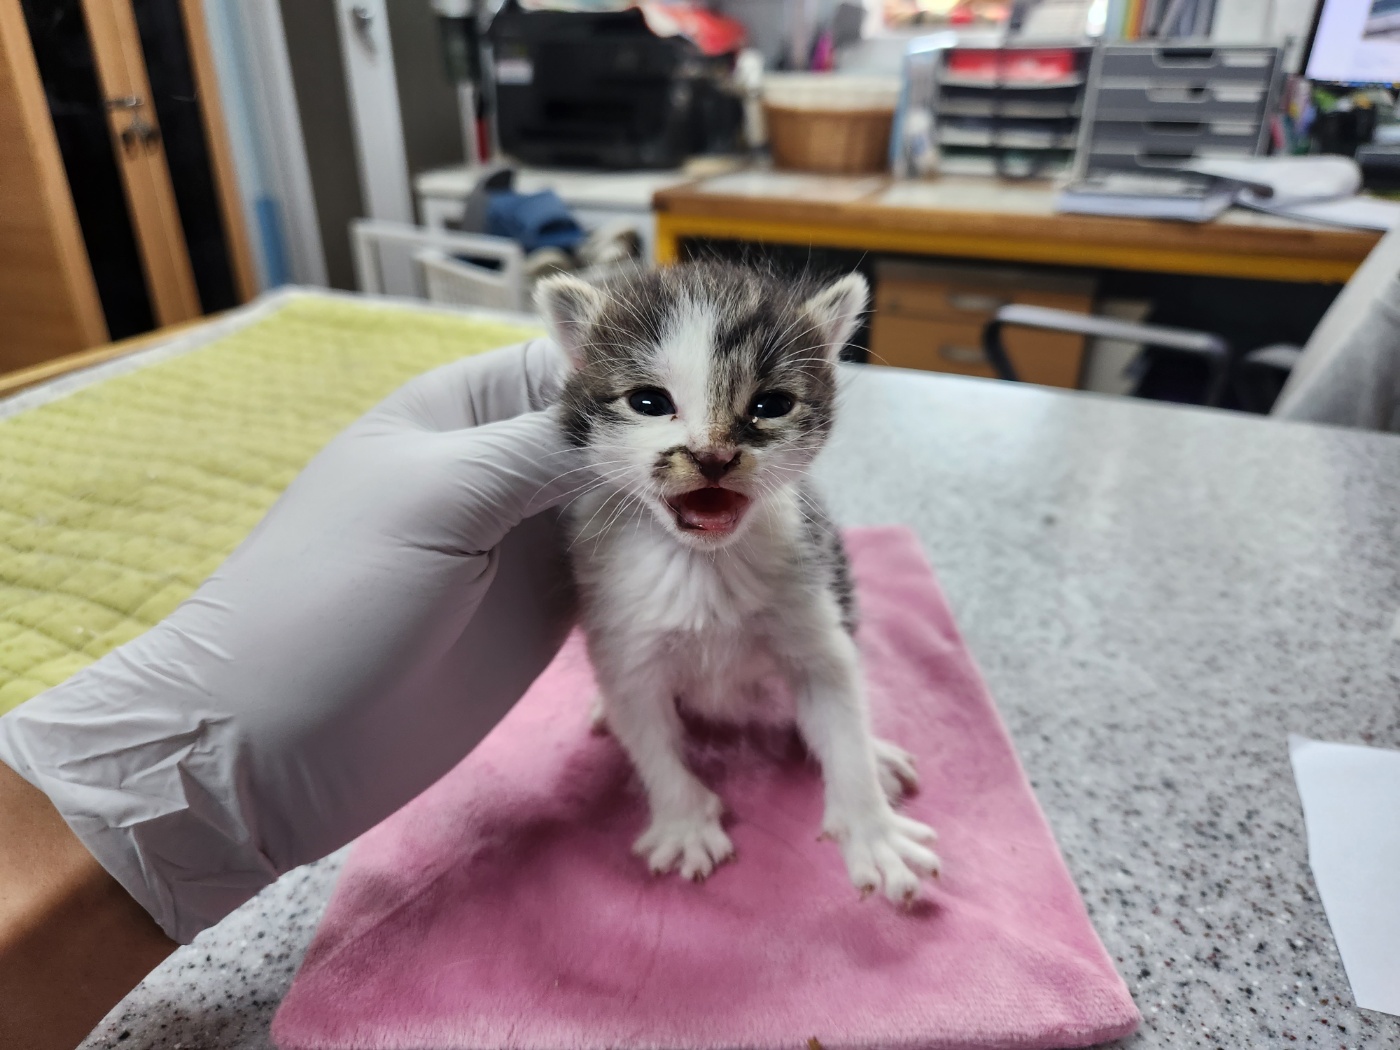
<point>503,909</point>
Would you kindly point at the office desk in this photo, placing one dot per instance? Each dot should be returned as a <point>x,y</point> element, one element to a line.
<point>982,218</point>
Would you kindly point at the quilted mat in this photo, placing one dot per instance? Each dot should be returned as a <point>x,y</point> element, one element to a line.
<point>117,500</point>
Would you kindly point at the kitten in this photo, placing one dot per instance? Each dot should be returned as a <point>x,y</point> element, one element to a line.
<point>699,395</point>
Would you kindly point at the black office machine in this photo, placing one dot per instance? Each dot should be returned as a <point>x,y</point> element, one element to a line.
<point>601,90</point>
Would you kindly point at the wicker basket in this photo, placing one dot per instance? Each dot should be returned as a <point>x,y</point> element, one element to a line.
<point>835,123</point>
<point>833,141</point>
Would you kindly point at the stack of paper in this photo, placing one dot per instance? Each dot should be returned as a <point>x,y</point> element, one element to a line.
<point>1322,189</point>
<point>1191,198</point>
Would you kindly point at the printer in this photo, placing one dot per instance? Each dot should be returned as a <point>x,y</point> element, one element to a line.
<point>602,90</point>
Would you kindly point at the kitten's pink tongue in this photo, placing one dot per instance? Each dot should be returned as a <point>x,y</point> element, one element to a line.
<point>710,510</point>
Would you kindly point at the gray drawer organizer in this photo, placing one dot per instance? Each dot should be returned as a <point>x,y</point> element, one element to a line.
<point>1012,127</point>
<point>1156,106</point>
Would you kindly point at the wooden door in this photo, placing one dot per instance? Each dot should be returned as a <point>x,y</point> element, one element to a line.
<point>119,209</point>
<point>135,132</point>
<point>48,298</point>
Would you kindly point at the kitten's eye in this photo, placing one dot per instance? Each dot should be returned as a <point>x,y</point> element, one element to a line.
<point>650,401</point>
<point>771,405</point>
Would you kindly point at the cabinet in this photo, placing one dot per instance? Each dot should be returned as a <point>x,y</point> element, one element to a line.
<point>118,207</point>
<point>931,316</point>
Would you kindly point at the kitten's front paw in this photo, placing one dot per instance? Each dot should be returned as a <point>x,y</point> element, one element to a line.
<point>885,851</point>
<point>694,842</point>
<point>896,767</point>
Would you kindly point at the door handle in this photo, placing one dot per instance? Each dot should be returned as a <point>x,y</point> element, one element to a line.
<point>962,355</point>
<point>974,302</point>
<point>150,136</point>
<point>140,132</point>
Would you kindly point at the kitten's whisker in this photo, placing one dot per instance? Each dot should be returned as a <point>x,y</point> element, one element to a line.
<point>584,530</point>
<point>621,465</point>
<point>612,518</point>
<point>599,481</point>
<point>594,535</point>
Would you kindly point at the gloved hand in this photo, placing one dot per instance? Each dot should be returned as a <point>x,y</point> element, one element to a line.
<point>378,622</point>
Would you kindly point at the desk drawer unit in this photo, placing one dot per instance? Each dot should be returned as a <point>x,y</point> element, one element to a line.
<point>1008,110</point>
<point>1047,358</point>
<point>1138,144</point>
<point>1155,107</point>
<point>1249,65</point>
<point>931,317</point>
<point>1169,136</point>
<point>1180,100</point>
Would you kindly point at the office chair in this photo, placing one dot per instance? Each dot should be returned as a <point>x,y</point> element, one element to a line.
<point>1348,372</point>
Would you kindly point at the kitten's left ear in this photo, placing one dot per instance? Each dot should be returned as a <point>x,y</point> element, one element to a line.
<point>836,309</point>
<point>568,305</point>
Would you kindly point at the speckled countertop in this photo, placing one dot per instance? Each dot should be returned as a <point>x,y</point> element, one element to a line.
<point>1157,596</point>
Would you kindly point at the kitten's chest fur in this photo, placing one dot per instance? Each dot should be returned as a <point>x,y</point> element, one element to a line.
<point>706,624</point>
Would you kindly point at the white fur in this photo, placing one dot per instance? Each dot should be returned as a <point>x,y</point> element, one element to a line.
<point>685,357</point>
<point>668,623</point>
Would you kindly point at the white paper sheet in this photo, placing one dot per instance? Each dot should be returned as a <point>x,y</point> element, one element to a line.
<point>1351,803</point>
<point>1317,189</point>
<point>1365,213</point>
<point>1285,180</point>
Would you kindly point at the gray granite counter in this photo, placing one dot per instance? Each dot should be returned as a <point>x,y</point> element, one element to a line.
<point>1157,597</point>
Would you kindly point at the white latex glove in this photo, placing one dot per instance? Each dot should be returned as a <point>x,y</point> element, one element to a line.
<point>378,622</point>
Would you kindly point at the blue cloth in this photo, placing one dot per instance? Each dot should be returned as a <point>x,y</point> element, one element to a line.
<point>533,220</point>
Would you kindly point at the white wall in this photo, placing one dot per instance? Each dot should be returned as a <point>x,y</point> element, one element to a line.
<point>250,56</point>
<point>1265,21</point>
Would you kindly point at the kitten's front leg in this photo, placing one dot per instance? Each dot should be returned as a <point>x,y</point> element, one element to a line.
<point>685,830</point>
<point>883,850</point>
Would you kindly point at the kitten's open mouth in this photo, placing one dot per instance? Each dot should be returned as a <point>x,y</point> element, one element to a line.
<point>713,510</point>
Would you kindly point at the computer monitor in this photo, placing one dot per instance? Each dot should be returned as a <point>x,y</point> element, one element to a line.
<point>1355,42</point>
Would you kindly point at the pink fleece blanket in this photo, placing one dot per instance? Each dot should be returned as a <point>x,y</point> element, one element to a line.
<point>504,910</point>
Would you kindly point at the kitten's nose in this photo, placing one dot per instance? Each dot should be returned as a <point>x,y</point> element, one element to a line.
<point>715,465</point>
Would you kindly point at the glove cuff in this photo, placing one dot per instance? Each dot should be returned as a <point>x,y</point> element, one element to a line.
<point>160,835</point>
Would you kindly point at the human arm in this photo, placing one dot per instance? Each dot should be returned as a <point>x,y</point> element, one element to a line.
<point>388,610</point>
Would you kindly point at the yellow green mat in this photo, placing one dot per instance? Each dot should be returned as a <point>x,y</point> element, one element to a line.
<point>118,500</point>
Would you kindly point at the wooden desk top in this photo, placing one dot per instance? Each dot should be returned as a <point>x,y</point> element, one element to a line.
<point>965,216</point>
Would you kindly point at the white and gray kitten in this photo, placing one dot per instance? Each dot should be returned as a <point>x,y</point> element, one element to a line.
<point>699,395</point>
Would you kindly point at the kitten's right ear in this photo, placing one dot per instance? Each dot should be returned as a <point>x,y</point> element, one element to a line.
<point>836,309</point>
<point>567,305</point>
